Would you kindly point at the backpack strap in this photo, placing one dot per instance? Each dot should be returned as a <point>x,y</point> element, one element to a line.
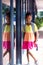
<point>32,24</point>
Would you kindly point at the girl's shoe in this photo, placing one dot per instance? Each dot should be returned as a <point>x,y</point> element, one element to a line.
<point>28,63</point>
<point>36,63</point>
<point>9,63</point>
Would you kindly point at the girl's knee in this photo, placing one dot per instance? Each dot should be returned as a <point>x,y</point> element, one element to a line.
<point>27,51</point>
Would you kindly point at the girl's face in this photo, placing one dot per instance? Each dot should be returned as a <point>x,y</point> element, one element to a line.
<point>7,19</point>
<point>29,19</point>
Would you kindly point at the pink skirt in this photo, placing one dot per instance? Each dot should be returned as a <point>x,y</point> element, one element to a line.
<point>6,45</point>
<point>28,45</point>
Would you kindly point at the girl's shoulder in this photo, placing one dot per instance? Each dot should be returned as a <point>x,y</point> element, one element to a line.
<point>7,25</point>
<point>27,28</point>
<point>6,28</point>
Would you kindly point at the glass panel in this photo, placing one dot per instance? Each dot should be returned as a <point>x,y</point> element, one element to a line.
<point>6,30</point>
<point>14,22</point>
<point>5,8</point>
<point>36,52</point>
<point>23,12</point>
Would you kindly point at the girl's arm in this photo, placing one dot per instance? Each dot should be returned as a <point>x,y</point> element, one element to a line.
<point>23,34</point>
<point>36,36</point>
<point>36,33</point>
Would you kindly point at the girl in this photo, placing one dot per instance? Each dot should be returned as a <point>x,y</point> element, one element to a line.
<point>30,37</point>
<point>6,36</point>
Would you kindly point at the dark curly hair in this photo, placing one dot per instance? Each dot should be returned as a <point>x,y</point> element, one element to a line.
<point>27,14</point>
<point>8,13</point>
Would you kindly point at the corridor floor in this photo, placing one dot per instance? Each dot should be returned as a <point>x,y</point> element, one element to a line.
<point>38,55</point>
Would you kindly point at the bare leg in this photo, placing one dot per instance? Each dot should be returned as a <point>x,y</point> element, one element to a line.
<point>28,52</point>
<point>5,53</point>
<point>9,56</point>
<point>32,56</point>
<point>28,55</point>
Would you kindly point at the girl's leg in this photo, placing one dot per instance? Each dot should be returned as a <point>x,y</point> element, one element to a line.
<point>9,56</point>
<point>28,55</point>
<point>32,56</point>
<point>5,53</point>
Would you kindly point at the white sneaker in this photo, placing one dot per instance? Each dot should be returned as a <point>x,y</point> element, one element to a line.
<point>28,63</point>
<point>36,62</point>
<point>8,64</point>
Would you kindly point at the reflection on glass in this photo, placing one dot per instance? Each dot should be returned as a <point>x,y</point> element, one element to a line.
<point>6,34</point>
